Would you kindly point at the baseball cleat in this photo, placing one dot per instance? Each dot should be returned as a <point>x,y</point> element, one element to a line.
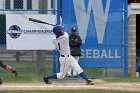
<point>89,82</point>
<point>46,80</point>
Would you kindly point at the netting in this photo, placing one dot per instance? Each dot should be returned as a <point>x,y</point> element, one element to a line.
<point>33,64</point>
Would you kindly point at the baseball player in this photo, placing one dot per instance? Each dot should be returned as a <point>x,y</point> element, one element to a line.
<point>66,60</point>
<point>75,43</point>
<point>8,68</point>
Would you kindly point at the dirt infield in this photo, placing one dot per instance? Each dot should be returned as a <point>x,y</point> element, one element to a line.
<point>70,86</point>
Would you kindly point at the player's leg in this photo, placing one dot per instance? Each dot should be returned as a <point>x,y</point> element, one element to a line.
<point>80,71</point>
<point>59,75</point>
<point>74,72</point>
<point>47,77</point>
<point>69,72</point>
<point>64,65</point>
<point>63,71</point>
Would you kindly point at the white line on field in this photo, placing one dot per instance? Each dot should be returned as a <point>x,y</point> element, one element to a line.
<point>8,86</point>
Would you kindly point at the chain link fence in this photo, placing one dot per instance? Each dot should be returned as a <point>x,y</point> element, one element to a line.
<point>33,64</point>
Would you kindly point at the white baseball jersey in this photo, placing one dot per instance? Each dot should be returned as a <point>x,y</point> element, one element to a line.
<point>62,44</point>
<point>66,61</point>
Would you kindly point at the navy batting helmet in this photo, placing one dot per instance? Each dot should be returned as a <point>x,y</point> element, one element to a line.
<point>57,30</point>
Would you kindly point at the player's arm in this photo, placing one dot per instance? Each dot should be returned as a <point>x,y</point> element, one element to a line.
<point>55,44</point>
<point>2,65</point>
<point>72,43</point>
<point>8,68</point>
<point>79,41</point>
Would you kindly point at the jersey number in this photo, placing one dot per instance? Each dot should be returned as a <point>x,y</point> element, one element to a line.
<point>59,46</point>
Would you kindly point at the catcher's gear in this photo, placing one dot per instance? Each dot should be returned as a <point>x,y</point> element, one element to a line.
<point>15,72</point>
<point>46,80</point>
<point>0,81</point>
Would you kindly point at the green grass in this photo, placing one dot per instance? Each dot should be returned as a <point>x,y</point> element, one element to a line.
<point>38,78</point>
<point>70,91</point>
<point>27,73</point>
<point>96,72</point>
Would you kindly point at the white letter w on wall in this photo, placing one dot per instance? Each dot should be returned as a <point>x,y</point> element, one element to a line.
<point>100,17</point>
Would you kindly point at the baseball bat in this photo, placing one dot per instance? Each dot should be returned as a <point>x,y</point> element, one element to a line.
<point>39,21</point>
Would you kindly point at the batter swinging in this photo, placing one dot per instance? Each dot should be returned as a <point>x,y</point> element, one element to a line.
<point>66,60</point>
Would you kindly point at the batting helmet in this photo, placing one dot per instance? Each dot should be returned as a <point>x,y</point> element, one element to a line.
<point>57,30</point>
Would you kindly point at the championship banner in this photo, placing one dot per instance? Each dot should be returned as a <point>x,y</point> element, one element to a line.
<point>24,34</point>
<point>100,26</point>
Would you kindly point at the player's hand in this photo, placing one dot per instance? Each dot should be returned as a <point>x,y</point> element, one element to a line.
<point>15,72</point>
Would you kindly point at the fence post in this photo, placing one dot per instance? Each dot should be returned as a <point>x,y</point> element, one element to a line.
<point>58,22</point>
<point>17,56</point>
<point>40,62</point>
<point>125,38</point>
<point>54,61</point>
